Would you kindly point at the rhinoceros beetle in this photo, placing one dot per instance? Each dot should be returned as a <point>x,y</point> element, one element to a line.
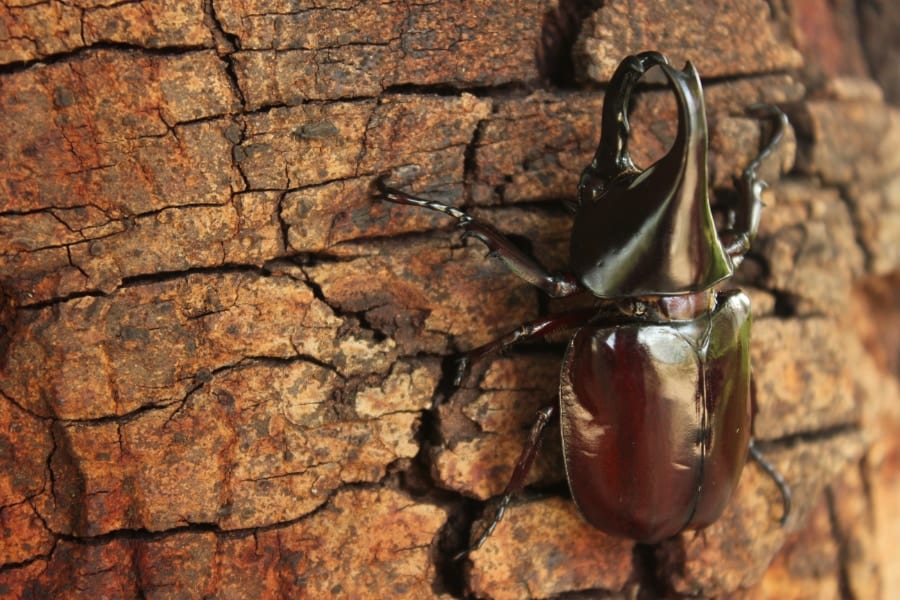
<point>654,399</point>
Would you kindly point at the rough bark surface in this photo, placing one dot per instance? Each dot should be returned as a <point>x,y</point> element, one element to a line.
<point>219,358</point>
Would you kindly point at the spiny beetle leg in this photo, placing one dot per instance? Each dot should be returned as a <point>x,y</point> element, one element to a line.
<point>520,473</point>
<point>743,220</point>
<point>499,245</point>
<point>543,326</point>
<point>556,285</point>
<point>390,194</point>
<point>770,469</point>
<point>779,124</point>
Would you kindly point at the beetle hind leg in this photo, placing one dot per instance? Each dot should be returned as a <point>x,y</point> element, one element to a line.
<point>538,327</point>
<point>555,285</point>
<point>520,473</point>
<point>772,472</point>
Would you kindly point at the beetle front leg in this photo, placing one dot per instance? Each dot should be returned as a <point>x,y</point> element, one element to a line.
<point>520,474</point>
<point>743,220</point>
<point>772,472</point>
<point>555,285</point>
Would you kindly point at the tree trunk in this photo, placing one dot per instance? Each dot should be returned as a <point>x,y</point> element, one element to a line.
<point>220,359</point>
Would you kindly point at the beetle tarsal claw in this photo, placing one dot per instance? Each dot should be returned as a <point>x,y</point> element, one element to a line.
<point>379,185</point>
<point>493,251</point>
<point>471,233</point>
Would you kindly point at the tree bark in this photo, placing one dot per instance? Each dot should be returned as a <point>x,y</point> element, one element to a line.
<point>225,371</point>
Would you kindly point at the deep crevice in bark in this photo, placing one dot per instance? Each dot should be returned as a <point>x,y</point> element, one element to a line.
<point>559,32</point>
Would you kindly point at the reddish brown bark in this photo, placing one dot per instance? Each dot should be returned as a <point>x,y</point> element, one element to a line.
<point>218,356</point>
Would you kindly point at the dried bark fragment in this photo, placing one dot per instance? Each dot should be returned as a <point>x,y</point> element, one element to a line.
<point>383,551</point>
<point>879,20</point>
<point>734,96</point>
<point>828,35</point>
<point>882,474</point>
<point>213,426</point>
<point>257,445</point>
<point>702,32</point>
<point>89,177</point>
<point>735,551</point>
<point>32,31</point>
<point>808,563</point>
<point>877,212</point>
<point>184,330</point>
<point>854,139</point>
<point>77,570</point>
<point>291,54</point>
<point>428,294</point>
<point>809,241</point>
<point>340,551</point>
<point>25,534</point>
<point>157,24</point>
<point>872,536</point>
<point>484,436</point>
<point>245,231</point>
<point>67,146</point>
<point>37,30</point>
<point>854,532</point>
<point>25,444</point>
<point>563,554</point>
<point>803,378</point>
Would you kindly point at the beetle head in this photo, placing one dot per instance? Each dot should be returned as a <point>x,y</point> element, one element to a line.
<point>649,232</point>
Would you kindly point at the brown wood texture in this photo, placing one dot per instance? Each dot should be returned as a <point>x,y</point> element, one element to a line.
<point>219,357</point>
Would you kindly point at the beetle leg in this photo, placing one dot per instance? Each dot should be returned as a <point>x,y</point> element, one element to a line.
<point>555,285</point>
<point>744,219</point>
<point>770,469</point>
<point>543,326</point>
<point>520,473</point>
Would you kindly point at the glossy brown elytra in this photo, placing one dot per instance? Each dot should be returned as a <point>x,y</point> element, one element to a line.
<point>654,395</point>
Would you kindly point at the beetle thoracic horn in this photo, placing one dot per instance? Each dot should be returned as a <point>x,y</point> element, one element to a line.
<point>650,232</point>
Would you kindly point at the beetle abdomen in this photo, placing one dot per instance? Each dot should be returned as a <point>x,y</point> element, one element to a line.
<point>655,420</point>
